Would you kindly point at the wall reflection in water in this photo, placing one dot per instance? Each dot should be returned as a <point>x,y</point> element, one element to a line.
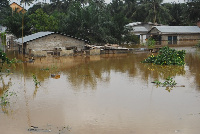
<point>86,71</point>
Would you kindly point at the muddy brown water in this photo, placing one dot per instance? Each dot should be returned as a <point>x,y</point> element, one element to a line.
<point>107,94</point>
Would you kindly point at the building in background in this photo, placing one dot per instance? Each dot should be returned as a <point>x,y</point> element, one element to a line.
<point>175,35</point>
<point>141,29</point>
<point>17,8</point>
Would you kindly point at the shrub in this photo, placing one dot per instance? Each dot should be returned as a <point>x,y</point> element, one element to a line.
<point>3,57</point>
<point>167,56</point>
<point>150,43</point>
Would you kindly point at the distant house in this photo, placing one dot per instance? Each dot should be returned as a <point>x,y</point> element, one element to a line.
<point>141,29</point>
<point>44,43</point>
<point>175,35</point>
<point>17,8</point>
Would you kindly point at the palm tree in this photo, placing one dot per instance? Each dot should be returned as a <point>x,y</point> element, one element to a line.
<point>27,2</point>
<point>154,10</point>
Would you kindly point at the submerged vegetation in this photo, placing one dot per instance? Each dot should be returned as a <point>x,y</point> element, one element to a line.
<point>4,92</point>
<point>150,43</point>
<point>167,56</point>
<point>168,82</point>
<point>5,97</point>
<point>4,58</point>
<point>37,83</point>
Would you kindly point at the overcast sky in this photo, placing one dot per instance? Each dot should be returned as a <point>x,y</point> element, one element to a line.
<point>107,1</point>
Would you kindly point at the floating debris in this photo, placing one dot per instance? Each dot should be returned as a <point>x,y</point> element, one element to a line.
<point>37,129</point>
<point>55,76</point>
<point>55,130</point>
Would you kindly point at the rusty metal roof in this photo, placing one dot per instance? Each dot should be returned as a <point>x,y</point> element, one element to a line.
<point>33,37</point>
<point>177,29</point>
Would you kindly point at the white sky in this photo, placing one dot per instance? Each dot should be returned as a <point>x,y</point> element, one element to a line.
<point>107,1</point>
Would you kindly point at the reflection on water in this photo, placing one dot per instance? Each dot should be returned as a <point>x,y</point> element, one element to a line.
<point>103,94</point>
<point>193,62</point>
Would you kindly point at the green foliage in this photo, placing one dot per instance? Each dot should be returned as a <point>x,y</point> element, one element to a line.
<point>45,69</point>
<point>13,22</point>
<point>167,56</point>
<point>5,97</point>
<point>131,38</point>
<point>4,5</point>
<point>94,20</point>
<point>3,58</point>
<point>40,21</point>
<point>169,83</point>
<point>150,43</point>
<point>36,81</point>
<point>3,38</point>
<point>193,11</point>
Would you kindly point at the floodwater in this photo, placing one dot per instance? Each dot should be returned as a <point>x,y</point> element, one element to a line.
<point>107,94</point>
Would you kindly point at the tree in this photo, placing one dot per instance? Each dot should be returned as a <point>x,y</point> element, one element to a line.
<point>4,7</point>
<point>60,5</point>
<point>118,20</point>
<point>130,8</point>
<point>14,24</point>
<point>178,14</point>
<point>40,21</point>
<point>4,4</point>
<point>193,12</point>
<point>154,11</point>
<point>27,2</point>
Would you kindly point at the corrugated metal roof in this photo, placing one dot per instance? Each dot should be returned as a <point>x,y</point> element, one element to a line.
<point>33,36</point>
<point>139,29</point>
<point>178,29</point>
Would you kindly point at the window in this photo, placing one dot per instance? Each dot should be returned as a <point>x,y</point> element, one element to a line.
<point>172,40</point>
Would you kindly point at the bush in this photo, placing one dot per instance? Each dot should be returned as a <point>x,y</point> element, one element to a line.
<point>3,58</point>
<point>150,43</point>
<point>167,56</point>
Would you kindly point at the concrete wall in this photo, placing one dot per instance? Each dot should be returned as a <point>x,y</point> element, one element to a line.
<point>143,39</point>
<point>95,52</point>
<point>49,43</point>
<point>66,53</point>
<point>38,53</point>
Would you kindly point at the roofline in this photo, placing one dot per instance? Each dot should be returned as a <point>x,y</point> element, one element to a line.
<point>18,5</point>
<point>86,41</point>
<point>165,33</point>
<point>179,33</point>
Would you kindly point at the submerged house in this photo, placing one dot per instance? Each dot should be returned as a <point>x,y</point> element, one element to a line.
<point>175,35</point>
<point>50,43</point>
<point>141,29</point>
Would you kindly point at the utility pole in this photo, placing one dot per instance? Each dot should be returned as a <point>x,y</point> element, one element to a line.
<point>23,33</point>
<point>23,29</point>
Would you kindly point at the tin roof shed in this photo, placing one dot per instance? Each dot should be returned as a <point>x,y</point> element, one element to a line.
<point>33,37</point>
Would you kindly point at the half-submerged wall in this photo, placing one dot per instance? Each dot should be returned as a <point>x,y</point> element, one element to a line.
<point>54,43</point>
<point>180,40</point>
